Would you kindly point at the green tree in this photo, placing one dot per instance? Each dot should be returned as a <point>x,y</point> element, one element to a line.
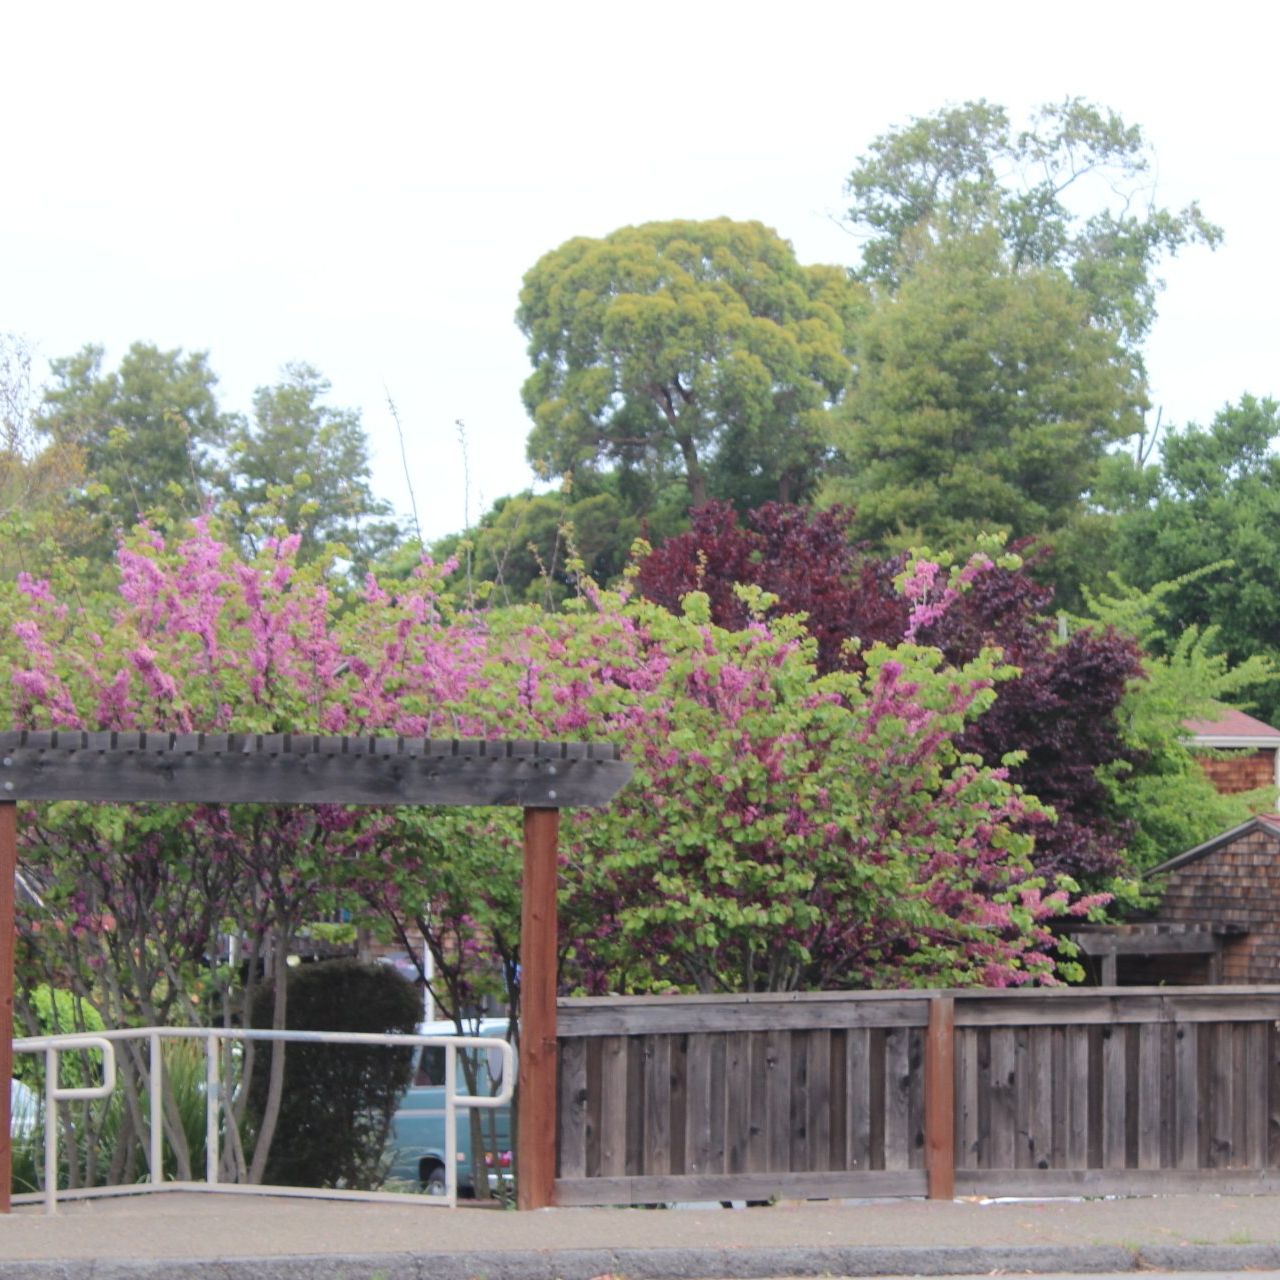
<point>699,348</point>
<point>526,545</point>
<point>148,433</point>
<point>1213,499</point>
<point>532,547</point>
<point>303,465</point>
<point>1161,789</point>
<point>38,478</point>
<point>984,400</point>
<point>1072,191</point>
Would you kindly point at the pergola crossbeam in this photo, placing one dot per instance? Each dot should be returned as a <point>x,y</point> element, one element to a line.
<point>209,768</point>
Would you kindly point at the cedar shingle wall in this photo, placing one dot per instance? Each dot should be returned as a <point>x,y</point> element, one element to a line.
<point>1237,884</point>
<point>1242,771</point>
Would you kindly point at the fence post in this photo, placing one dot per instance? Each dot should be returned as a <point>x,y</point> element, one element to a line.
<point>940,1098</point>
<point>537,1125</point>
<point>8,873</point>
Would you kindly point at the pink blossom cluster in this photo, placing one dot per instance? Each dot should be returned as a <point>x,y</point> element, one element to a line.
<point>783,828</point>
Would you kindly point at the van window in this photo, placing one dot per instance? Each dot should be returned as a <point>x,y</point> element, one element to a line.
<point>430,1066</point>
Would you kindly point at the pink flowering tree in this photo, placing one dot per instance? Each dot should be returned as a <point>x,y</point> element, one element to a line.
<point>784,830</point>
<point>138,900</point>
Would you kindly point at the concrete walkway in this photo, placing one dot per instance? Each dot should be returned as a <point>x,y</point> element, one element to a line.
<point>185,1236</point>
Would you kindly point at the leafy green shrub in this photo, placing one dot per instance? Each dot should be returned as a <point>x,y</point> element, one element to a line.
<point>338,1100</point>
<point>58,1013</point>
<point>184,1077</point>
<point>89,1127</point>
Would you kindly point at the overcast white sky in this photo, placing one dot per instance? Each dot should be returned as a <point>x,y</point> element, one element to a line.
<point>363,186</point>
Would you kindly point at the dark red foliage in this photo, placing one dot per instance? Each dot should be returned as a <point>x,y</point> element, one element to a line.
<point>803,557</point>
<point>1061,710</point>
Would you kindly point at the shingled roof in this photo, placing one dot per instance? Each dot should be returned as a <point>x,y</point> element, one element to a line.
<point>1266,823</point>
<point>1232,728</point>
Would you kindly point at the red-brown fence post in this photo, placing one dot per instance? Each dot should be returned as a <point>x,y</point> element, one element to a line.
<point>8,873</point>
<point>537,1124</point>
<point>940,1098</point>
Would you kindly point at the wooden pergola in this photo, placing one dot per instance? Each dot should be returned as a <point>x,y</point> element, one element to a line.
<point>206,768</point>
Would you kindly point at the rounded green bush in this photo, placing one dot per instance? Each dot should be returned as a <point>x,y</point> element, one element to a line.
<point>338,1100</point>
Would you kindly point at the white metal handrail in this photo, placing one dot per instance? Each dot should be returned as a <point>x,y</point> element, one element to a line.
<point>213,1038</point>
<point>53,1046</point>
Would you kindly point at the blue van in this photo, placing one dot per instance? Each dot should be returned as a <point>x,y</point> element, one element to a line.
<point>417,1141</point>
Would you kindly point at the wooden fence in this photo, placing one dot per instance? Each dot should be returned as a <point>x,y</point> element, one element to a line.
<point>1044,1092</point>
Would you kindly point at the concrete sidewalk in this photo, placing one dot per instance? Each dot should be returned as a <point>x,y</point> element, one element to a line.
<point>182,1236</point>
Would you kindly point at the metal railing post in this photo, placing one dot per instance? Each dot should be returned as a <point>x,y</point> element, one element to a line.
<point>451,1124</point>
<point>55,1093</point>
<point>212,1106</point>
<point>157,1111</point>
<point>51,1130</point>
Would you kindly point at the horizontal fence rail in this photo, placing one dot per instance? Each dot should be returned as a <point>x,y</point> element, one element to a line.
<point>1037,1092</point>
<point>215,1039</point>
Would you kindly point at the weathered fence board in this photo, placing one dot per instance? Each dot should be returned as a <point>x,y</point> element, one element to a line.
<point>1114,1096</point>
<point>1186,1096</point>
<point>1257,1078</point>
<point>574,1114</point>
<point>613,1106</point>
<point>1150,1078</point>
<point>1001,1125</point>
<point>967,1106</point>
<point>1049,1093</point>
<point>737,1119</point>
<point>656,1072</point>
<point>897,1102</point>
<point>1077,1080</point>
<point>857,1075</point>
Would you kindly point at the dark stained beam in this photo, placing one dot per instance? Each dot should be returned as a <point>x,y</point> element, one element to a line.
<point>1193,942</point>
<point>213,768</point>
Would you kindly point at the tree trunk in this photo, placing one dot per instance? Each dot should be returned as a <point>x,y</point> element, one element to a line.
<point>694,474</point>
<point>275,1083</point>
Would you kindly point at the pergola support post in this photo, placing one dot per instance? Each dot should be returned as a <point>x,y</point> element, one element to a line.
<point>8,874</point>
<point>537,1122</point>
<point>940,1098</point>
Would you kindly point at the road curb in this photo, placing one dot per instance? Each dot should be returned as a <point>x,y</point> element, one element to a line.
<point>666,1264</point>
<point>1210,1257</point>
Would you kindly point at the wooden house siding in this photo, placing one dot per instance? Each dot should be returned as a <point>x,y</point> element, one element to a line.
<point>1234,886</point>
<point>1236,771</point>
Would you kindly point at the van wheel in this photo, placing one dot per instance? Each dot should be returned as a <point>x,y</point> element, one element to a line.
<point>435,1181</point>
